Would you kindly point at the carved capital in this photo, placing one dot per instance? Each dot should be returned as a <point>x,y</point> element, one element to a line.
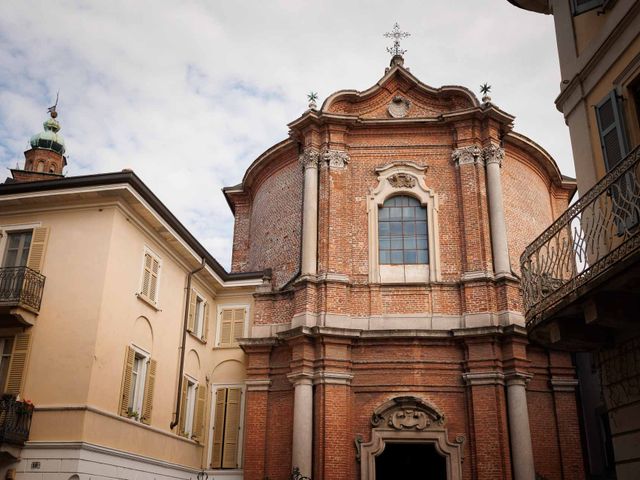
<point>335,158</point>
<point>402,180</point>
<point>493,154</point>
<point>309,158</point>
<point>466,155</point>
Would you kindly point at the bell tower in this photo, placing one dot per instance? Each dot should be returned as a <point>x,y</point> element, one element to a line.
<point>45,159</point>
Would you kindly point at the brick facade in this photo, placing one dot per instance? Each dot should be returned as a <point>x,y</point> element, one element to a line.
<point>450,342</point>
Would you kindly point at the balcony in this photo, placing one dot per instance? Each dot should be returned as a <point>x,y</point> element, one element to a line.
<point>581,277</point>
<point>20,296</point>
<point>15,423</point>
<point>15,420</point>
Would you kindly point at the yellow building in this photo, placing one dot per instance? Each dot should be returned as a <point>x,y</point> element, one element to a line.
<point>581,277</point>
<point>117,331</point>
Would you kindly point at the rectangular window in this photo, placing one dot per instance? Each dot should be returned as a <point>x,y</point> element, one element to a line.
<point>226,427</point>
<point>232,322</point>
<point>6,345</point>
<point>612,132</point>
<point>190,405</point>
<point>138,379</point>
<point>137,385</point>
<point>18,245</point>
<point>582,6</point>
<point>150,277</point>
<point>198,323</point>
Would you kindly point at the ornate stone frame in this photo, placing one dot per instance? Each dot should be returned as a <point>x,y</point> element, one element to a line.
<point>409,420</point>
<point>403,178</point>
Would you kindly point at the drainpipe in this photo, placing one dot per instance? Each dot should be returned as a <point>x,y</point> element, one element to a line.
<point>184,341</point>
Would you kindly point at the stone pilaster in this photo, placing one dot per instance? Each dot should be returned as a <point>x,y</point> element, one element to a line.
<point>309,161</point>
<point>493,156</point>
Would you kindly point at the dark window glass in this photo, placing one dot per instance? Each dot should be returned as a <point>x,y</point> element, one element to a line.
<point>402,232</point>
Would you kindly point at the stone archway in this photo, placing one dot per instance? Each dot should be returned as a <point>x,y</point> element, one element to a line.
<point>410,421</point>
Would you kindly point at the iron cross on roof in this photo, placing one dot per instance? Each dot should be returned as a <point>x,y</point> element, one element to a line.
<point>396,34</point>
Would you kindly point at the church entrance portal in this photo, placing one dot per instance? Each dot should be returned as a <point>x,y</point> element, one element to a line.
<point>418,461</point>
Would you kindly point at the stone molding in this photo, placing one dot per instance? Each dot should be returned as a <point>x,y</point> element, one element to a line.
<point>332,378</point>
<point>335,158</point>
<point>467,155</point>
<point>257,385</point>
<point>398,178</point>
<point>483,378</point>
<point>560,384</point>
<point>493,154</point>
<point>300,378</point>
<point>309,158</point>
<point>514,377</point>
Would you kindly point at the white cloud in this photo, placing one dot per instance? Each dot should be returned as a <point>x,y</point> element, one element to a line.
<point>189,93</point>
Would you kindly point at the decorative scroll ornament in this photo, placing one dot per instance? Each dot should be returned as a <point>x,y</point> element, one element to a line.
<point>309,158</point>
<point>335,158</point>
<point>465,155</point>
<point>406,413</point>
<point>402,180</point>
<point>493,154</point>
<point>399,107</point>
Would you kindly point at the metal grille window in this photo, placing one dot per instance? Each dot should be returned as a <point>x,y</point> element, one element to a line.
<point>402,232</point>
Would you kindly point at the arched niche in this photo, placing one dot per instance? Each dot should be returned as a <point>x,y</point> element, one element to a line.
<point>409,420</point>
<point>192,364</point>
<point>229,371</point>
<point>143,334</point>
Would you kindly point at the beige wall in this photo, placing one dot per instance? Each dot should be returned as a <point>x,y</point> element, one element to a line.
<point>89,315</point>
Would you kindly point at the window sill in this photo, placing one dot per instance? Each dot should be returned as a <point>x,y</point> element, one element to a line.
<point>196,337</point>
<point>148,302</point>
<point>226,347</point>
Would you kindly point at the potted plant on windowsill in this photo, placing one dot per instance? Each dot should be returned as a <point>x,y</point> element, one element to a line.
<point>133,414</point>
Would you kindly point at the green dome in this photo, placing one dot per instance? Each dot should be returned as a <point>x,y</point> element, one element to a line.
<point>50,139</point>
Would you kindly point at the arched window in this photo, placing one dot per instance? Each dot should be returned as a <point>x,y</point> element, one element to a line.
<point>402,232</point>
<point>40,166</point>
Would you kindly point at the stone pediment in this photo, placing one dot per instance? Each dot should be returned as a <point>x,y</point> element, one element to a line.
<point>400,95</point>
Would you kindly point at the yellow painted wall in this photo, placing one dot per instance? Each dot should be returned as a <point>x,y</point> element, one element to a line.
<point>90,313</point>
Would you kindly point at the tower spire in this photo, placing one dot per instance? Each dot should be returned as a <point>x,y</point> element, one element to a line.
<point>45,159</point>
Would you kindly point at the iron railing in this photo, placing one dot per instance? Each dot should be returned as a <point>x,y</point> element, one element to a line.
<point>15,420</point>
<point>594,233</point>
<point>21,286</point>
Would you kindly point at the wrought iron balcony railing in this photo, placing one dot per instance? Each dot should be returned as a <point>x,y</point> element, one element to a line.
<point>15,420</point>
<point>21,286</point>
<point>591,236</point>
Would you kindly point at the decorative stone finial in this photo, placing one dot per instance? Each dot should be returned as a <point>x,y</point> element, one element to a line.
<point>395,50</point>
<point>312,97</point>
<point>485,89</point>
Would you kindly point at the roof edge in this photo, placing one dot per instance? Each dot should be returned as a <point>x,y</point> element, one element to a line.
<point>130,178</point>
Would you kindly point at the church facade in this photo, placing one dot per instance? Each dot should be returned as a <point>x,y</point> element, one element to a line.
<point>389,340</point>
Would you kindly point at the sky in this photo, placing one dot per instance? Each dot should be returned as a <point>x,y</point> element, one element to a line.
<point>189,93</point>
